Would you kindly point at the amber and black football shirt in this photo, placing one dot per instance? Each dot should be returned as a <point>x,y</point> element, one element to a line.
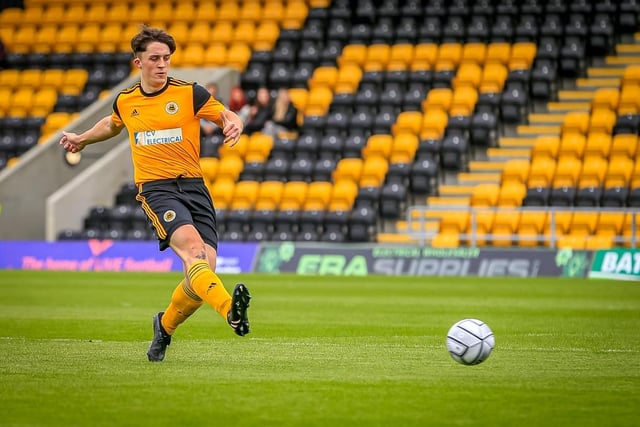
<point>164,128</point>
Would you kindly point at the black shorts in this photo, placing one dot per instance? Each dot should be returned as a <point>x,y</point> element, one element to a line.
<point>170,203</point>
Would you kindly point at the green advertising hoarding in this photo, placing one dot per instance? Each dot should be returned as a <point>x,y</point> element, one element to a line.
<point>620,264</point>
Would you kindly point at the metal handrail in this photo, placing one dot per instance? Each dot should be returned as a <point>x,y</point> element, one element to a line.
<point>423,233</point>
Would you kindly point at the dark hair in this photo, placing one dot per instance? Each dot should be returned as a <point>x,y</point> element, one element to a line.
<point>149,35</point>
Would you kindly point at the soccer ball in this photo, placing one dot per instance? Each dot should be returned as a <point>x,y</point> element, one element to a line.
<point>470,341</point>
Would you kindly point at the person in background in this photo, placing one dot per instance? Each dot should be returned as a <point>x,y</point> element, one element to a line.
<point>208,128</point>
<point>162,116</point>
<point>259,112</point>
<point>284,117</point>
<point>238,103</point>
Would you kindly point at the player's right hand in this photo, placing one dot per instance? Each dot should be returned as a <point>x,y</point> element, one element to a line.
<point>69,142</point>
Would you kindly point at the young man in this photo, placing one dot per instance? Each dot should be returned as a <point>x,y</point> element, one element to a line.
<point>162,116</point>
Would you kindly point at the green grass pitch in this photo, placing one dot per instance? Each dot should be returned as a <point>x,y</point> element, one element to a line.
<point>324,351</point>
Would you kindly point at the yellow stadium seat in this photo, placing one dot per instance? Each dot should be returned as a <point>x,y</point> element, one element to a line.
<point>619,171</point>
<point>89,38</point>
<point>463,101</point>
<point>557,224</point>
<point>24,39</point>
<point>598,145</point>
<point>546,145</point>
<point>610,223</point>
<point>238,56</point>
<point>348,79</point>
<point>567,173</point>
<point>343,195</point>
<point>230,167</point>
<point>43,102</point>
<point>405,146</point>
<point>449,56</point>
<point>245,195</point>
<point>480,225</point>
<point>505,226</point>
<point>434,122</point>
<point>522,55</point>
<point>222,32</point>
<point>378,145</point>
<point>606,97</point>
<point>576,122</point>
<point>163,11</point>
<point>21,102</point>
<point>572,145</point>
<point>439,98</point>
<point>273,11</point>
<point>494,76</point>
<point>245,32</point>
<point>531,227</point>
<point>512,194</point>
<point>624,145</point>
<point>485,195</point>
<point>353,54</point>
<point>408,121</point>
<point>100,13</point>
<point>295,13</point>
<point>31,78</point>
<point>541,171</point>
<point>468,74</point>
<point>294,194</point>
<point>259,147</point>
<point>498,52</point>
<point>584,223</point>
<point>222,190</point>
<point>193,55</point>
<point>199,33</point>
<point>45,38</point>
<point>323,76</point>
<point>602,121</point>
<point>515,170</point>
<point>445,240</point>
<point>216,54</point>
<point>400,56</point>
<point>593,172</point>
<point>269,195</point>
<point>474,53</point>
<point>266,35</point>
<point>424,56</point>
<point>374,171</point>
<point>74,81</point>
<point>318,195</point>
<point>209,166</point>
<point>185,11</point>
<point>377,57</point>
<point>350,168</point>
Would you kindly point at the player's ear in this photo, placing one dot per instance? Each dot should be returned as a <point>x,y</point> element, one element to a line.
<point>136,61</point>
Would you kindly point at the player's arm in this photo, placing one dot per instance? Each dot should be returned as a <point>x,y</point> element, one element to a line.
<point>104,129</point>
<point>231,125</point>
<point>209,108</point>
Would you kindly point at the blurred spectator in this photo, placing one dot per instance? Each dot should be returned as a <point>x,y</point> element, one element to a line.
<point>238,103</point>
<point>208,128</point>
<point>284,117</point>
<point>260,111</point>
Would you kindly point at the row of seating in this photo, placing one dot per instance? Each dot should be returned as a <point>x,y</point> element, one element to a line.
<point>529,227</point>
<point>291,13</point>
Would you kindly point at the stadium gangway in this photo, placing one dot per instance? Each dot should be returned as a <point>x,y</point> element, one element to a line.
<point>423,224</point>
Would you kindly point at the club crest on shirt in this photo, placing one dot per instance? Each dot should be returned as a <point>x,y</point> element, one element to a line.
<point>169,216</point>
<point>171,107</point>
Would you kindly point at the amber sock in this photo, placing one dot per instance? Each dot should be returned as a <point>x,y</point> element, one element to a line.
<point>184,302</point>
<point>208,286</point>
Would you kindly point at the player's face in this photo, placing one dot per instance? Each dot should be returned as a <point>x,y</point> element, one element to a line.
<point>154,65</point>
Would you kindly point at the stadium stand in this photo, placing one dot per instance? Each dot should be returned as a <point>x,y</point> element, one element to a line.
<point>489,107</point>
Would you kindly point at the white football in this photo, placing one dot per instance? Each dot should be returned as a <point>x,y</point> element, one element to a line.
<point>470,341</point>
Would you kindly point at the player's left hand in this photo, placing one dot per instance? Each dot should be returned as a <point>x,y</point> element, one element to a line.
<point>231,131</point>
